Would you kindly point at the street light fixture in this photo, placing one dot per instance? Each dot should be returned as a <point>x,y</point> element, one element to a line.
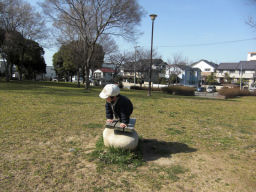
<point>152,16</point>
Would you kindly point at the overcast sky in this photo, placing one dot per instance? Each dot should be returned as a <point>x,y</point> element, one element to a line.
<point>214,30</point>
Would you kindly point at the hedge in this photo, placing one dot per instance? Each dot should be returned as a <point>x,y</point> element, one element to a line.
<point>144,88</point>
<point>235,92</point>
<point>179,90</point>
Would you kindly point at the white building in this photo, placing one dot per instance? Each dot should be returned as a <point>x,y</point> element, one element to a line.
<point>251,56</point>
<point>103,75</point>
<point>206,67</point>
<point>245,70</point>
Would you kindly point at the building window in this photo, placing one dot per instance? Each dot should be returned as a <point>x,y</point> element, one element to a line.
<point>207,69</point>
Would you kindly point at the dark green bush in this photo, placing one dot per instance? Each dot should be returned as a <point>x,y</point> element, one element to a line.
<point>234,92</point>
<point>138,88</point>
<point>167,90</point>
<point>179,90</point>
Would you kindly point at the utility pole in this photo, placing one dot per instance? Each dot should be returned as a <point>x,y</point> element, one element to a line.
<point>135,48</point>
<point>241,76</point>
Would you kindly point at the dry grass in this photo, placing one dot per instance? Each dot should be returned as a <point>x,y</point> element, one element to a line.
<point>48,130</point>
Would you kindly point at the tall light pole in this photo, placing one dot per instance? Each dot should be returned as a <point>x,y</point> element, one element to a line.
<point>152,16</point>
<point>135,48</point>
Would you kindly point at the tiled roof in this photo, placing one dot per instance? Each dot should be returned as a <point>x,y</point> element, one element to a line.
<point>107,70</point>
<point>208,62</point>
<point>245,65</point>
<point>227,66</point>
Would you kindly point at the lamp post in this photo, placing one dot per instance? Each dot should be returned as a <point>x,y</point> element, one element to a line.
<point>135,48</point>
<point>152,16</point>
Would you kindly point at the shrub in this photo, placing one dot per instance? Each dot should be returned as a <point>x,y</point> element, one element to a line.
<point>179,90</point>
<point>167,90</point>
<point>234,92</point>
<point>145,88</point>
<point>138,88</point>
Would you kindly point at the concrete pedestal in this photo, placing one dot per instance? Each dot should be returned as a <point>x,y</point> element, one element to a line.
<point>119,139</point>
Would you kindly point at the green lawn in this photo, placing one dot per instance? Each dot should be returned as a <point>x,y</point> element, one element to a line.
<point>48,131</point>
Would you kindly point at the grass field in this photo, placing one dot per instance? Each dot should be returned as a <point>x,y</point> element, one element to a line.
<point>48,131</point>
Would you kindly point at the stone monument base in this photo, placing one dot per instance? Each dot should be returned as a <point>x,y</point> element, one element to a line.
<point>120,139</point>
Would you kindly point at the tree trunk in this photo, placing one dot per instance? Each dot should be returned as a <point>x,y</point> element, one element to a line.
<point>78,78</point>
<point>88,67</point>
<point>87,80</point>
<point>83,74</point>
<point>21,64</point>
<point>20,72</point>
<point>11,66</point>
<point>7,71</point>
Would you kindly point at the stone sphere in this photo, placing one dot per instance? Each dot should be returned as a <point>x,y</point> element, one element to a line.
<point>119,139</point>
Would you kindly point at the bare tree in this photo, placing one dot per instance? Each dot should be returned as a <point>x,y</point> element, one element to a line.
<point>174,66</point>
<point>91,19</point>
<point>109,45</point>
<point>251,21</point>
<point>118,60</point>
<point>19,16</point>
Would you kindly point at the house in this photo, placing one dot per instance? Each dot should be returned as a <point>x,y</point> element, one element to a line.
<point>103,75</point>
<point>245,70</point>
<point>206,67</point>
<point>251,56</point>
<point>141,68</point>
<point>187,75</point>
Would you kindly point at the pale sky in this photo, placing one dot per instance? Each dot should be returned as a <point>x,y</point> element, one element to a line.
<point>214,30</point>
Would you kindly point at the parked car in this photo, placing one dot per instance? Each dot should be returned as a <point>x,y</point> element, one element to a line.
<point>55,79</point>
<point>200,89</point>
<point>252,89</point>
<point>211,89</point>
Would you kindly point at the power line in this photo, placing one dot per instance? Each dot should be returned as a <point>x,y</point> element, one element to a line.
<point>208,44</point>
